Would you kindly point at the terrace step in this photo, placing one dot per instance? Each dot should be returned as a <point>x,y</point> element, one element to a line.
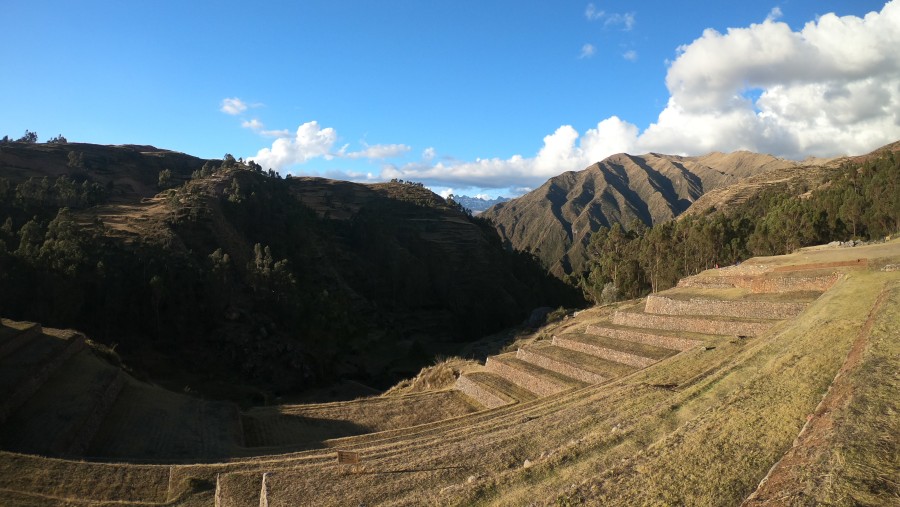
<point>24,371</point>
<point>15,334</point>
<point>612,349</point>
<point>573,363</point>
<point>540,381</point>
<point>663,304</point>
<point>62,417</point>
<point>765,283</point>
<point>697,324</point>
<point>648,337</point>
<point>491,390</point>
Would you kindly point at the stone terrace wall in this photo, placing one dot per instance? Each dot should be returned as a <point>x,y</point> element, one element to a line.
<point>763,284</point>
<point>79,437</point>
<point>700,306</point>
<point>479,393</point>
<point>540,386</point>
<point>17,339</point>
<point>617,356</point>
<point>645,337</point>
<point>691,324</point>
<point>567,369</point>
<point>31,384</point>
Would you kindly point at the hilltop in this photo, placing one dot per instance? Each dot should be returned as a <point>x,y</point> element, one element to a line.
<point>215,274</point>
<point>555,221</point>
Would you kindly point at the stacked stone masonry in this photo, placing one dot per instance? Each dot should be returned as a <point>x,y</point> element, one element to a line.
<point>664,305</point>
<point>603,352</point>
<point>30,385</point>
<point>18,339</point>
<point>78,438</point>
<point>568,369</point>
<point>644,336</point>
<point>763,284</point>
<point>691,324</point>
<point>479,393</point>
<point>537,384</point>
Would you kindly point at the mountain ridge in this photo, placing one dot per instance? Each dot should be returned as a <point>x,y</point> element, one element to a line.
<point>554,222</point>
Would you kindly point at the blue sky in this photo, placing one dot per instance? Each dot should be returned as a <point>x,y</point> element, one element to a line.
<point>469,96</point>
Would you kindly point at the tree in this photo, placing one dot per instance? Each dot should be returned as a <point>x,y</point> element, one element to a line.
<point>165,179</point>
<point>29,137</point>
<point>76,160</point>
<point>58,140</point>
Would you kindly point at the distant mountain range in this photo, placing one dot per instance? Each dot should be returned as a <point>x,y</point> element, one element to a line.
<point>477,204</point>
<point>555,221</point>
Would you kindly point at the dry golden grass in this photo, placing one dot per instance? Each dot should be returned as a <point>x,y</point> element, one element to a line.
<point>441,375</point>
<point>701,427</point>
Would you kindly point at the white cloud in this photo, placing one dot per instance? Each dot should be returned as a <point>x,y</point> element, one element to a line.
<point>233,106</point>
<point>376,151</point>
<point>253,124</point>
<point>630,55</point>
<point>591,12</point>
<point>775,14</point>
<point>587,51</point>
<point>310,141</point>
<point>626,20</point>
<point>831,87</point>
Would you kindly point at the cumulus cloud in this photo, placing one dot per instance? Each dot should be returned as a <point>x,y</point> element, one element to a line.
<point>311,141</point>
<point>233,106</point>
<point>587,51</point>
<point>775,14</point>
<point>831,87</point>
<point>630,55</point>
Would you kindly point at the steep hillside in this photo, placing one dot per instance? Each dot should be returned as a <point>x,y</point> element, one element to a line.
<point>237,276</point>
<point>769,383</point>
<point>555,221</point>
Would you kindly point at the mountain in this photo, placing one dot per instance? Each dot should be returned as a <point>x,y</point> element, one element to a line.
<point>236,276</point>
<point>555,221</point>
<point>477,204</point>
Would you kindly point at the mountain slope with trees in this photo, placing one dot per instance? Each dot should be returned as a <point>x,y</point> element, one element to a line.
<point>555,222</point>
<point>232,275</point>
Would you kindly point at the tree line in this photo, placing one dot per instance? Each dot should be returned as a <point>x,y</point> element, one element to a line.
<point>860,201</point>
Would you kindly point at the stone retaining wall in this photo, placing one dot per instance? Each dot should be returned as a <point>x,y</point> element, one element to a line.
<point>537,384</point>
<point>564,368</point>
<point>78,438</point>
<point>663,305</point>
<point>763,284</point>
<point>690,324</point>
<point>617,356</point>
<point>30,385</point>
<point>14,342</point>
<point>479,393</point>
<point>647,338</point>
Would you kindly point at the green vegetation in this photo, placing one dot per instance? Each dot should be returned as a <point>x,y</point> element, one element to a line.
<point>236,276</point>
<point>861,202</point>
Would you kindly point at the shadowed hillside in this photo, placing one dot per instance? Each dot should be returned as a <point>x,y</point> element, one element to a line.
<point>555,222</point>
<point>232,276</point>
